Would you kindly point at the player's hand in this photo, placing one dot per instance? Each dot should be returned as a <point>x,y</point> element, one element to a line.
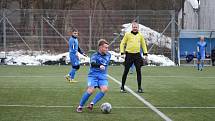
<point>122,55</point>
<point>77,55</point>
<point>84,55</point>
<point>102,67</point>
<point>146,59</point>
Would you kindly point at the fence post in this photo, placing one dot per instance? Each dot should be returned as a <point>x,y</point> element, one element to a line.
<point>41,32</point>
<point>173,35</point>
<point>90,32</point>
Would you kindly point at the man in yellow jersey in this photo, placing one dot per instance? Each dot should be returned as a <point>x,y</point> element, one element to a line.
<point>131,45</point>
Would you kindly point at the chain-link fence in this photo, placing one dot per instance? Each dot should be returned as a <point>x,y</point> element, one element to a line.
<point>47,30</point>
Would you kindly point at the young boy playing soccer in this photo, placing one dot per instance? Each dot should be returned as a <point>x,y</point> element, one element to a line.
<point>201,49</point>
<point>97,76</point>
<point>73,54</point>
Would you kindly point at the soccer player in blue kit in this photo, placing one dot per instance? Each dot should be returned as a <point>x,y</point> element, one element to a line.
<point>97,76</point>
<point>73,54</point>
<point>201,49</point>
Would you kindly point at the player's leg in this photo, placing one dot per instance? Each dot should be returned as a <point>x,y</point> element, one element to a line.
<point>132,69</point>
<point>138,63</point>
<point>198,64</point>
<point>73,72</point>
<point>198,60</point>
<point>127,64</point>
<point>75,66</point>
<point>201,64</point>
<point>103,86</point>
<point>87,93</point>
<point>202,60</point>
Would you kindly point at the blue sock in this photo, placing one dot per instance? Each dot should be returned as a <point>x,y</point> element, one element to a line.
<point>202,64</point>
<point>98,97</point>
<point>84,98</point>
<point>72,73</point>
<point>198,66</point>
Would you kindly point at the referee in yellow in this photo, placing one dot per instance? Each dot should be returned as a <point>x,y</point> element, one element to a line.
<point>131,45</point>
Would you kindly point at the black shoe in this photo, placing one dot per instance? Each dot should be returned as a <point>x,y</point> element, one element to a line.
<point>79,109</point>
<point>90,107</point>
<point>123,90</point>
<point>140,90</point>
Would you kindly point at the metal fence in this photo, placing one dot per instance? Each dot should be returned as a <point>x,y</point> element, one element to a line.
<point>47,30</point>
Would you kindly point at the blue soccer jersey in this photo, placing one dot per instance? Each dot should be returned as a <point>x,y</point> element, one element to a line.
<point>202,46</point>
<point>73,49</point>
<point>97,76</point>
<point>73,45</point>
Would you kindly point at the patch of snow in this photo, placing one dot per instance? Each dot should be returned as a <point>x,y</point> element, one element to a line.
<point>37,58</point>
<point>151,36</point>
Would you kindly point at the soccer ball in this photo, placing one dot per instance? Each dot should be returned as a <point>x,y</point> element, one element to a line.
<point>106,107</point>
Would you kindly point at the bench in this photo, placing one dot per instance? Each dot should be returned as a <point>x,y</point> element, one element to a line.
<point>207,62</point>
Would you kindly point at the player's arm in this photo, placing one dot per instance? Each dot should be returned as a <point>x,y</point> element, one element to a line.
<point>75,48</point>
<point>94,64</point>
<point>123,44</point>
<point>197,48</point>
<point>144,47</point>
<point>81,51</point>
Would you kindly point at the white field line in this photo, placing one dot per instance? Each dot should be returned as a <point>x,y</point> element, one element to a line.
<point>162,115</point>
<point>201,77</point>
<point>116,107</point>
<point>49,76</point>
<point>38,87</point>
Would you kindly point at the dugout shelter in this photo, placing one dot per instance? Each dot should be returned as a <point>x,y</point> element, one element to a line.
<point>188,43</point>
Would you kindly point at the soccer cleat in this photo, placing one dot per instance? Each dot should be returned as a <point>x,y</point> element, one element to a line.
<point>140,90</point>
<point>90,107</point>
<point>79,109</point>
<point>123,90</point>
<point>67,77</point>
<point>72,81</point>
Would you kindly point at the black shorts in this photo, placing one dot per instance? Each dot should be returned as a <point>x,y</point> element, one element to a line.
<point>133,58</point>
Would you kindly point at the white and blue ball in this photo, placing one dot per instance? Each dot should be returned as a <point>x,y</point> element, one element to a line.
<point>106,108</point>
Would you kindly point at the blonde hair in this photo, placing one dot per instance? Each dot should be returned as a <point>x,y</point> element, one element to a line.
<point>102,42</point>
<point>134,23</point>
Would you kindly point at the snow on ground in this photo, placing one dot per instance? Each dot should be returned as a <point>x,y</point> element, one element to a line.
<point>151,36</point>
<point>38,58</point>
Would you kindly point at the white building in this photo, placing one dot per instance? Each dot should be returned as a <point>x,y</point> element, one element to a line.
<point>198,15</point>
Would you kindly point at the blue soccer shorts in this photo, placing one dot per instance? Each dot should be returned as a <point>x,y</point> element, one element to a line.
<point>74,60</point>
<point>200,56</point>
<point>97,81</point>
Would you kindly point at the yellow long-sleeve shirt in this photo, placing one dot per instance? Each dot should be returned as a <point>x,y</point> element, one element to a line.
<point>131,43</point>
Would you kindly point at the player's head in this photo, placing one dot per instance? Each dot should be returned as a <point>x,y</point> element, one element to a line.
<point>135,26</point>
<point>202,38</point>
<point>75,32</point>
<point>103,46</point>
